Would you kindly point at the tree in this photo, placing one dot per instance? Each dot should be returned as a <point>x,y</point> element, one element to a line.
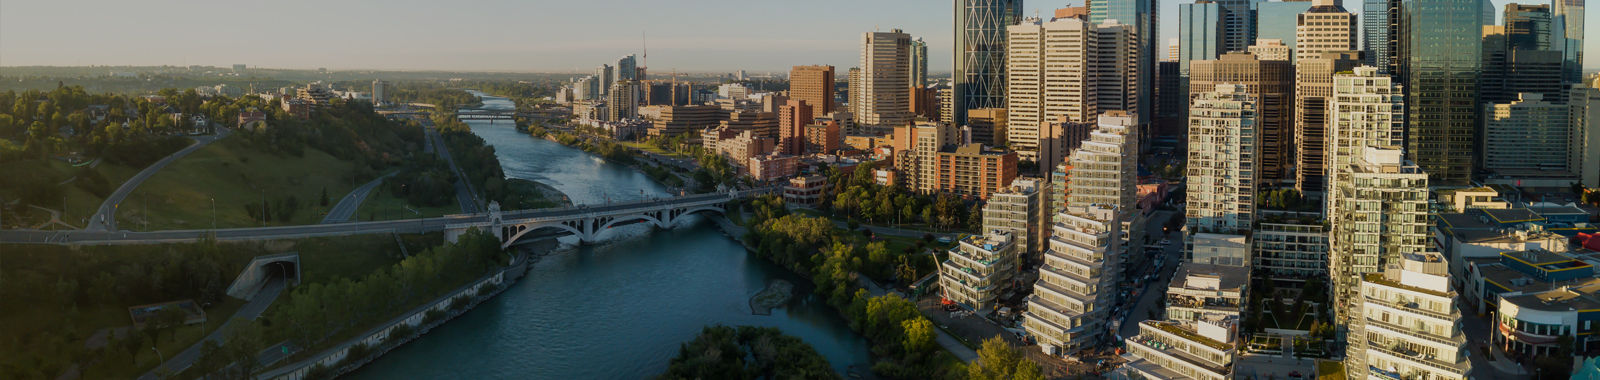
<point>997,360</point>
<point>171,318</point>
<point>919,334</point>
<point>134,342</point>
<point>324,197</point>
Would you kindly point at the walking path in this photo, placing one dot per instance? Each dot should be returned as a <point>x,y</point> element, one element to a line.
<point>895,231</point>
<point>350,203</point>
<point>464,194</point>
<point>105,219</point>
<point>249,312</point>
<point>55,218</point>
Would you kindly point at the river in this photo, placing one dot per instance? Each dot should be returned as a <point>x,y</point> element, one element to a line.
<point>617,309</point>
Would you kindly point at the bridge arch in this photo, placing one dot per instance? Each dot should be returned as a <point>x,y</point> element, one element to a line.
<point>630,218</point>
<point>512,232</point>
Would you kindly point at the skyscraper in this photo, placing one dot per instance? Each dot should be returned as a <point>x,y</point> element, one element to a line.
<point>1239,26</point>
<point>627,69</point>
<point>1271,83</point>
<point>1040,93</point>
<point>1117,63</point>
<point>1278,20</point>
<point>814,85</point>
<point>1367,109</point>
<point>980,54</point>
<point>885,78</point>
<point>1313,87</point>
<point>1441,63</point>
<point>1530,134</point>
<point>1224,156</point>
<point>793,117</point>
<point>1145,18</point>
<point>1375,32</point>
<point>1566,34</point>
<point>853,90</point>
<point>1527,27</point>
<point>1377,211</point>
<point>1200,33</point>
<point>1585,142</point>
<point>1323,28</point>
<point>919,63</point>
<point>603,79</point>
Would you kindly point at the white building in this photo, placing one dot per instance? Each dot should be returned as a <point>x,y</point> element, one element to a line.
<point>979,270</point>
<point>1021,209</point>
<point>1378,210</point>
<point>1070,306</point>
<point>1224,156</point>
<point>1051,78</point>
<point>1407,324</point>
<point>1197,350</point>
<point>380,92</point>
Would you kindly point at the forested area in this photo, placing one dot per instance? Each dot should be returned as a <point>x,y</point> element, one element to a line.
<point>35,124</point>
<point>445,97</point>
<point>746,353</point>
<point>854,194</point>
<point>812,246</point>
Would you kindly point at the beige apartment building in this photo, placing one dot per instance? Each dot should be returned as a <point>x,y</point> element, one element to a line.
<point>1326,27</point>
<point>1272,84</point>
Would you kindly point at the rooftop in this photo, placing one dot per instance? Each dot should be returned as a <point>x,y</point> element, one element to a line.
<point>1230,278</point>
<point>1512,215</point>
<point>1579,296</point>
<point>1378,278</point>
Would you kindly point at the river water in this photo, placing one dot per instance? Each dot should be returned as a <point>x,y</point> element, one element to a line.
<point>617,309</point>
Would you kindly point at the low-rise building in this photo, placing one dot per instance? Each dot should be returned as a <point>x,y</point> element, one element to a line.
<point>1201,289</point>
<point>676,120</point>
<point>805,191</point>
<point>773,166</point>
<point>252,119</point>
<point>979,270</point>
<point>822,138</point>
<point>1290,251</point>
<point>1199,350</point>
<point>974,170</point>
<point>298,108</point>
<point>885,176</point>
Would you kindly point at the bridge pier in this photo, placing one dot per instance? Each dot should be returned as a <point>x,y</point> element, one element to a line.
<point>587,223</point>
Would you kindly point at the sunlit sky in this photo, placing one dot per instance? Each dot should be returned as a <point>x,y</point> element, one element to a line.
<point>494,35</point>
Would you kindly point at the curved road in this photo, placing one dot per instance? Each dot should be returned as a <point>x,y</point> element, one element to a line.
<point>348,205</point>
<point>105,218</point>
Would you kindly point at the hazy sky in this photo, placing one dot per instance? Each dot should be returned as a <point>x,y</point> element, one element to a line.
<point>511,35</point>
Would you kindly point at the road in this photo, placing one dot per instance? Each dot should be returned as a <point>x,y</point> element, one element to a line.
<point>464,194</point>
<point>289,232</point>
<point>105,218</point>
<point>350,203</point>
<point>249,312</point>
<point>1154,292</point>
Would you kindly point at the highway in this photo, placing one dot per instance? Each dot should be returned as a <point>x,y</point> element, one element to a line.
<point>350,203</point>
<point>338,229</point>
<point>105,218</point>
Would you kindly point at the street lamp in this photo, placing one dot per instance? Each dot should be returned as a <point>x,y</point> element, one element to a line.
<point>213,214</point>
<point>203,320</point>
<point>158,355</point>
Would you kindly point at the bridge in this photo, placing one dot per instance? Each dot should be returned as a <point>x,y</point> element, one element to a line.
<point>496,114</point>
<point>587,222</point>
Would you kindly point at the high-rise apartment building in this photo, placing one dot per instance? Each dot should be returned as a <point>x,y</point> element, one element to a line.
<point>627,69</point>
<point>919,63</point>
<point>1023,210</point>
<point>604,80</point>
<point>1525,136</point>
<point>1144,16</point>
<point>1313,88</point>
<point>885,76</point>
<point>1375,28</point>
<point>814,85</point>
<point>1069,308</point>
<point>1406,322</point>
<point>380,92</point>
<point>1378,210</point>
<point>1584,156</point>
<point>1566,34</point>
<point>979,77</point>
<point>1271,50</point>
<point>1224,159</point>
<point>987,126</point>
<point>1366,108</point>
<point>1278,20</point>
<point>1323,28</point>
<point>793,117</point>
<point>853,91</point>
<point>916,150</point>
<point>1200,33</point>
<point>1442,70</point>
<point>623,101</point>
<point>1272,85</point>
<point>973,171</point>
<point>1043,91</point>
<point>1113,178</point>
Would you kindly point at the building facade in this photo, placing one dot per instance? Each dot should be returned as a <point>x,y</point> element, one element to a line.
<point>1313,88</point>
<point>979,77</point>
<point>1223,159</point>
<point>1325,27</point>
<point>1378,210</point>
<point>1408,323</point>
<point>1021,210</point>
<point>813,85</point>
<point>979,269</point>
<point>1042,91</point>
<point>1071,301</point>
<point>1441,70</point>
<point>1272,84</point>
<point>885,76</point>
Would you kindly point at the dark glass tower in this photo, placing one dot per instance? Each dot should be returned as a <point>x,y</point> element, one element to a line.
<point>1375,32</point>
<point>1566,35</point>
<point>1145,16</point>
<point>980,54</point>
<point>1441,43</point>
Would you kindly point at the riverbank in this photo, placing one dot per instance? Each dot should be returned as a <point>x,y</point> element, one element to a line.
<point>635,166</point>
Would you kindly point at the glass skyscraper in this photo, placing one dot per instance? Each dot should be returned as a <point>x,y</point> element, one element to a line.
<point>1200,28</point>
<point>980,54</point>
<point>1375,32</point>
<point>1276,20</point>
<point>1145,16</point>
<point>1440,56</point>
<point>1566,35</point>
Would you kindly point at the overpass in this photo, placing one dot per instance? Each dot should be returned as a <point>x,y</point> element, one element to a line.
<point>585,221</point>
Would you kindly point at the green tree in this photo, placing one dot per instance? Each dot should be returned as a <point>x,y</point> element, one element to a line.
<point>919,335</point>
<point>997,360</point>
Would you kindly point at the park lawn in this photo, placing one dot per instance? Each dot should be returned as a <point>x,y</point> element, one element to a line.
<point>381,205</point>
<point>180,196</point>
<point>654,149</point>
<point>80,204</point>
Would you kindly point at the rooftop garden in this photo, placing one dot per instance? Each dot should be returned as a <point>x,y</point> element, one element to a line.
<point>1186,334</point>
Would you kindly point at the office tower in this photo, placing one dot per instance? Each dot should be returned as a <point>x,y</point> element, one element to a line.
<point>1224,158</point>
<point>919,63</point>
<point>853,91</point>
<point>1172,101</point>
<point>1239,29</point>
<point>1068,309</point>
<point>1323,28</point>
<point>1313,87</point>
<point>1508,72</point>
<point>1271,50</point>
<point>814,85</point>
<point>1200,33</point>
<point>1377,210</point>
<point>1021,209</point>
<point>627,69</point>
<point>979,269</point>
<point>1408,323</point>
<point>792,119</point>
<point>603,79</point>
<point>924,102</point>
<point>885,76</point>
<point>380,92</point>
<point>1375,32</point>
<point>1566,35</point>
<point>1116,66</point>
<point>1441,69</point>
<point>1172,50</point>
<point>1527,27</point>
<point>1145,18</point>
<point>1524,136</point>
<point>1584,149</point>
<point>1042,94</point>
<point>979,76</point>
<point>1278,20</point>
<point>1271,83</point>
<point>987,126</point>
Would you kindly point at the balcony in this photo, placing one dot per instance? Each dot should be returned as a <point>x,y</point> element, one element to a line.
<point>1157,347</point>
<point>1417,333</point>
<point>1411,307</point>
<point>1413,356</point>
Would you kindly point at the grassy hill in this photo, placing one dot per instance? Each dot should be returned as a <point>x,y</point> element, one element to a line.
<point>236,176</point>
<point>40,183</point>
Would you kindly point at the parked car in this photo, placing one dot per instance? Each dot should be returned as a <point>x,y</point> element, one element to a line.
<point>1166,242</point>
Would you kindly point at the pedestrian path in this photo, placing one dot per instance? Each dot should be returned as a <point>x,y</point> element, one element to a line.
<point>249,312</point>
<point>105,218</point>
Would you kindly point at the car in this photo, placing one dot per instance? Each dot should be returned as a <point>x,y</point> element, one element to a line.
<point>943,239</point>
